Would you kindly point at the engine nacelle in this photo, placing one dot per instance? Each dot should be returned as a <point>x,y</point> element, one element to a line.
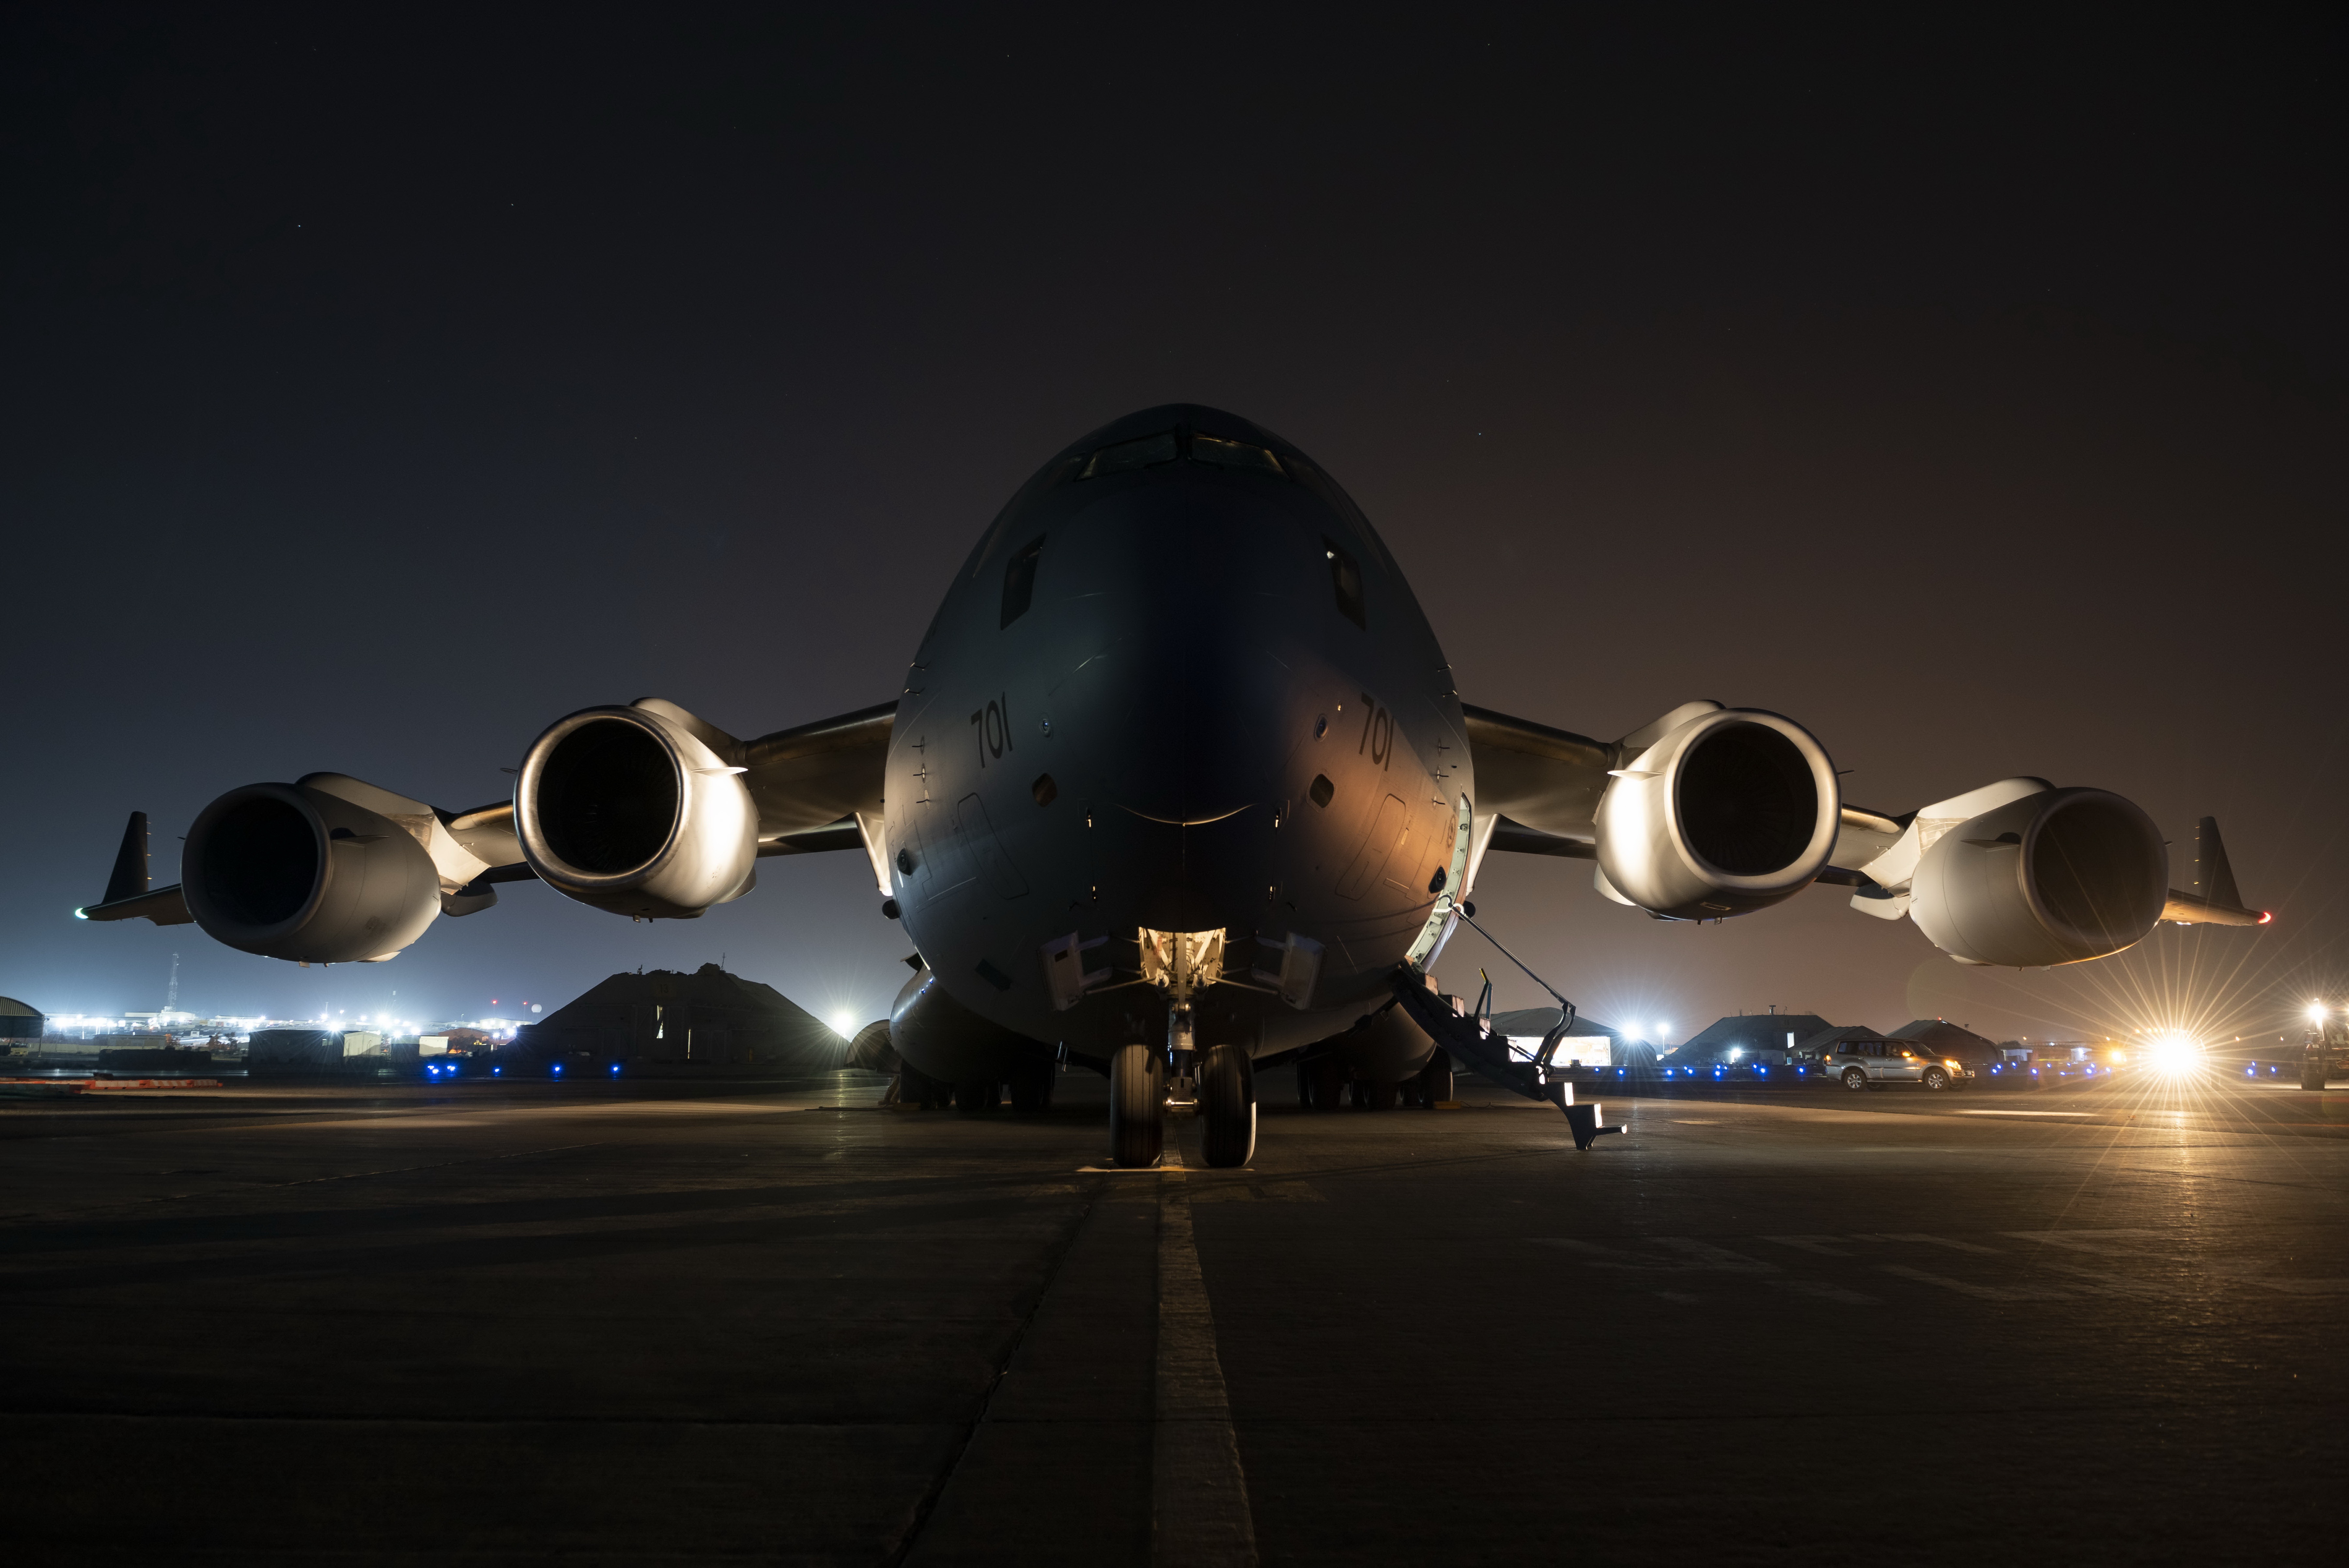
<point>627,810</point>
<point>289,872</point>
<point>2058,876</point>
<point>1729,813</point>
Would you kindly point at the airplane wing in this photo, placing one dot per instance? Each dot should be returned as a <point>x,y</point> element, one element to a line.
<point>810,784</point>
<point>1702,815</point>
<point>1540,778</point>
<point>816,787</point>
<point>396,861</point>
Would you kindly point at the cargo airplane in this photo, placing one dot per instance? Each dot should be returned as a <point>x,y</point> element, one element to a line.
<point>1178,782</point>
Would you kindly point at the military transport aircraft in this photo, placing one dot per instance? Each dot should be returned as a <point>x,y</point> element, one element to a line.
<point>1178,780</point>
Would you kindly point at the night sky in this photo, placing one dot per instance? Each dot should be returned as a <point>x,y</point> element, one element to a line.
<point>378,390</point>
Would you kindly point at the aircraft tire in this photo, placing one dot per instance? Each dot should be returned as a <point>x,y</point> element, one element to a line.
<point>1438,1086</point>
<point>1227,1106</point>
<point>1305,1084</point>
<point>1384,1097</point>
<point>975,1097</point>
<point>1328,1084</point>
<point>1137,1107</point>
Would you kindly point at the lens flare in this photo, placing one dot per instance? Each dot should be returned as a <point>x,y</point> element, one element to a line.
<point>2175,1054</point>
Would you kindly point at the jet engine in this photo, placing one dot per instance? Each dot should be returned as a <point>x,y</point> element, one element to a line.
<point>2057,877</point>
<point>1729,812</point>
<point>290,872</point>
<point>630,810</point>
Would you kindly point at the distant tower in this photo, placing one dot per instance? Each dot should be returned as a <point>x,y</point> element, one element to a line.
<point>171,991</point>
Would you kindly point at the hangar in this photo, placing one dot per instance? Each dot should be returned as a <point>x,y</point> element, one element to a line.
<point>20,1020</point>
<point>669,1022</point>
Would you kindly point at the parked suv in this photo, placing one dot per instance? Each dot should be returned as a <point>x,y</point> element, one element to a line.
<point>1864,1063</point>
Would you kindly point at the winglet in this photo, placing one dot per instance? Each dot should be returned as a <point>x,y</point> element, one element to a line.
<point>130,878</point>
<point>129,893</point>
<point>2214,879</point>
<point>2214,901</point>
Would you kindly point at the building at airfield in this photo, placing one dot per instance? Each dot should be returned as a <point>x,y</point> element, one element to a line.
<point>667,1023</point>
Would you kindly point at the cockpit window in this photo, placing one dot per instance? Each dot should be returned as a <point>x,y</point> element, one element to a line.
<point>1147,452</point>
<point>1346,578</point>
<point>1233,454</point>
<point>1019,580</point>
<point>1165,447</point>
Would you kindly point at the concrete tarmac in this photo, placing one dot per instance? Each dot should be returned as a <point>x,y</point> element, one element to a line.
<point>627,1324</point>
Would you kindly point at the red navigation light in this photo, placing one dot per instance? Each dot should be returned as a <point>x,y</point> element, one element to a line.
<point>2266,915</point>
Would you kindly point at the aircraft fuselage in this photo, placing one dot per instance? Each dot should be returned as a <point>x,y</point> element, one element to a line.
<point>1179,687</point>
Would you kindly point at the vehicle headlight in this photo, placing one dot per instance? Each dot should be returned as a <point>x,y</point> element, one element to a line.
<point>1951,1065</point>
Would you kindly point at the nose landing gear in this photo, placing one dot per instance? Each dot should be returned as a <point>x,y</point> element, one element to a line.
<point>1137,1107</point>
<point>1227,1106</point>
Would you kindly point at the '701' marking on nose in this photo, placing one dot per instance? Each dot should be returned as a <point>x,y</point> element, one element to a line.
<point>1378,733</point>
<point>991,727</point>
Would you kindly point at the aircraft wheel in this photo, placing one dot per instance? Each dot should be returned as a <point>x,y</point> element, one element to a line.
<point>978,1094</point>
<point>1137,1107</point>
<point>1305,1084</point>
<point>1439,1086</point>
<point>1384,1097</point>
<point>1227,1104</point>
<point>1328,1084</point>
<point>916,1088</point>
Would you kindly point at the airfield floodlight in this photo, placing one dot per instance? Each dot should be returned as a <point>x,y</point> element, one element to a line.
<point>2316,1013</point>
<point>2175,1053</point>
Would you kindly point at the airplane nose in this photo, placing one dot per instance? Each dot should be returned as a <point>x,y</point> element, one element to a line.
<point>1187,703</point>
<point>1183,710</point>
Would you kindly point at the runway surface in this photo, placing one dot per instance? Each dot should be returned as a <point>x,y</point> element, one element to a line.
<point>642,1324</point>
